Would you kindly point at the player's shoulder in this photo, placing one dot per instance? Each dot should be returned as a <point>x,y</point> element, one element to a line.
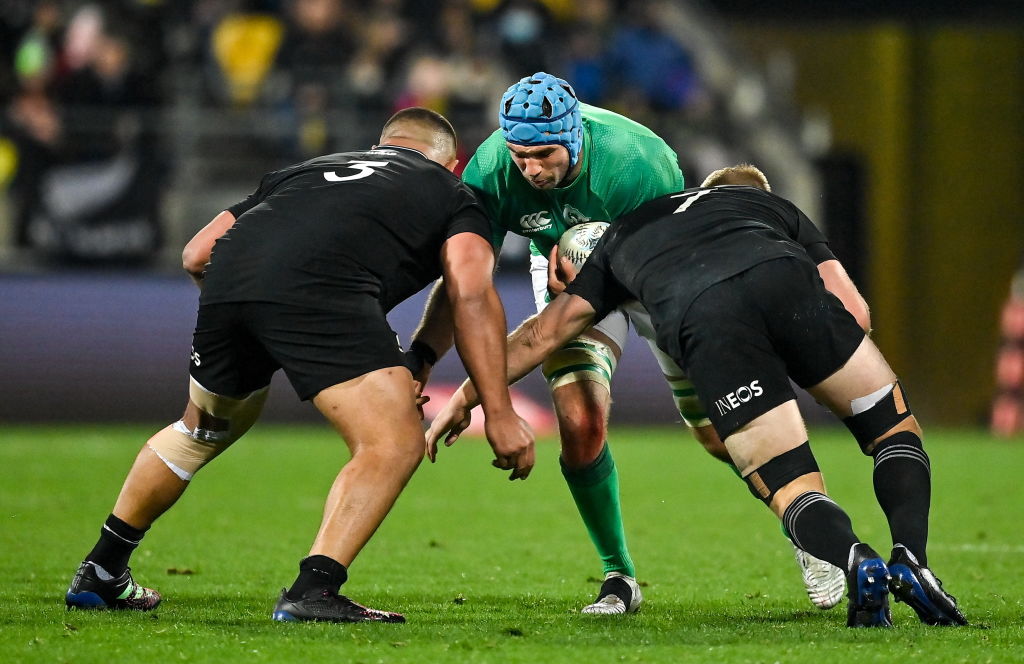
<point>603,123</point>
<point>491,154</point>
<point>627,141</point>
<point>490,166</point>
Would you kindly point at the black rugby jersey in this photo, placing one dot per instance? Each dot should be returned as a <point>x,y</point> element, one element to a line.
<point>671,249</point>
<point>369,223</point>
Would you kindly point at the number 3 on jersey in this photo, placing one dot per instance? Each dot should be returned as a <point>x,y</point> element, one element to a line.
<point>363,169</point>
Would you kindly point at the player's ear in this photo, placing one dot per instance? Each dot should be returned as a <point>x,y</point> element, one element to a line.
<point>452,164</point>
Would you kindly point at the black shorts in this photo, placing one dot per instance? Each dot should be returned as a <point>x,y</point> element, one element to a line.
<point>238,346</point>
<point>745,337</point>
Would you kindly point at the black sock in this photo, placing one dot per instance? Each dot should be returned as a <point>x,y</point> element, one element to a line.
<point>820,527</point>
<point>115,546</point>
<point>903,487</point>
<point>319,573</point>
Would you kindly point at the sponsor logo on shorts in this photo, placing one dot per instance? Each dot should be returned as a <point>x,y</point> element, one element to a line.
<point>194,356</point>
<point>738,397</point>
<point>535,222</point>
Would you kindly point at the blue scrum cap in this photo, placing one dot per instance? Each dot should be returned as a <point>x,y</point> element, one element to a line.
<point>542,110</point>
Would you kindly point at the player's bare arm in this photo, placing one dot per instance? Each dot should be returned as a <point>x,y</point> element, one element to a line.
<point>197,252</point>
<point>528,345</point>
<point>479,330</point>
<point>434,335</point>
<point>838,282</point>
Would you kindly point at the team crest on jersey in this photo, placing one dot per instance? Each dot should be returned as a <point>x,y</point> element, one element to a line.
<point>573,216</point>
<point>535,222</point>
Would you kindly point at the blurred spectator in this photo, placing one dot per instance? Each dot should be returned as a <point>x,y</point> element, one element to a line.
<point>244,47</point>
<point>524,29</point>
<point>581,55</point>
<point>475,65</point>
<point>382,46</point>
<point>648,70</point>
<point>427,83</point>
<point>1008,406</point>
<point>37,58</point>
<point>89,185</point>
<point>319,43</point>
<point>456,72</point>
<point>31,122</point>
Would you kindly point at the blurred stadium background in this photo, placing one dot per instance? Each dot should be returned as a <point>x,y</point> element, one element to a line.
<point>127,125</point>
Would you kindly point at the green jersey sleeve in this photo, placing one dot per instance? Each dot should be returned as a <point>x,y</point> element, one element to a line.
<point>484,174</point>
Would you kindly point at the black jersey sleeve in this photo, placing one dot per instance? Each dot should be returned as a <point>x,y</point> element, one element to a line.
<point>467,216</point>
<point>803,230</point>
<point>252,200</point>
<point>596,284</point>
<point>266,186</point>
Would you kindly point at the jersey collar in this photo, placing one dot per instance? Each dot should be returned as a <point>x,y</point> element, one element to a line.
<point>400,147</point>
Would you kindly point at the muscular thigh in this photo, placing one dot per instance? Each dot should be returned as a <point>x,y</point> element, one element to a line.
<point>775,432</point>
<point>375,408</point>
<point>864,373</point>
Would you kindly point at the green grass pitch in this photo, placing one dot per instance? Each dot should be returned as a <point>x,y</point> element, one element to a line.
<point>488,570</point>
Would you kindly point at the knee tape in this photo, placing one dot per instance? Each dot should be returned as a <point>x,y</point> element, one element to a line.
<point>581,359</point>
<point>779,471</point>
<point>889,416</point>
<point>188,446</point>
<point>689,406</point>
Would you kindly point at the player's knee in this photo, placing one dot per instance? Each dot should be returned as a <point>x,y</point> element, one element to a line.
<point>186,450</point>
<point>580,360</point>
<point>387,456</point>
<point>885,422</point>
<point>582,425</point>
<point>397,456</point>
<point>210,425</point>
<point>778,472</point>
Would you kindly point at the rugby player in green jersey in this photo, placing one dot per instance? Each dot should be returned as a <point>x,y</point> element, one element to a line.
<point>553,163</point>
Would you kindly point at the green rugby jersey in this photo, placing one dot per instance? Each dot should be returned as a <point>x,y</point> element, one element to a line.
<point>625,164</point>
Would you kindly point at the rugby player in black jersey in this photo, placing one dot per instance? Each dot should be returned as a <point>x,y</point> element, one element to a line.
<point>300,277</point>
<point>744,294</point>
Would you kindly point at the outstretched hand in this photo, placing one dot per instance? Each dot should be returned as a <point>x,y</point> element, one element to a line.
<point>512,440</point>
<point>449,423</point>
<point>510,437</point>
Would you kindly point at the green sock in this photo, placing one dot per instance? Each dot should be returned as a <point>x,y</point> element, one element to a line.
<point>595,488</point>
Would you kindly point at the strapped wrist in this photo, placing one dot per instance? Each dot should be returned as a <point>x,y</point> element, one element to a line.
<point>423,351</point>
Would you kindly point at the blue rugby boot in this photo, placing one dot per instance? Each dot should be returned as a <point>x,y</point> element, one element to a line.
<point>921,590</point>
<point>89,591</point>
<point>319,605</point>
<point>868,584</point>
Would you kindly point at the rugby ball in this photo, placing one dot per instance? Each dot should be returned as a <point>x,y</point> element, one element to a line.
<point>577,242</point>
